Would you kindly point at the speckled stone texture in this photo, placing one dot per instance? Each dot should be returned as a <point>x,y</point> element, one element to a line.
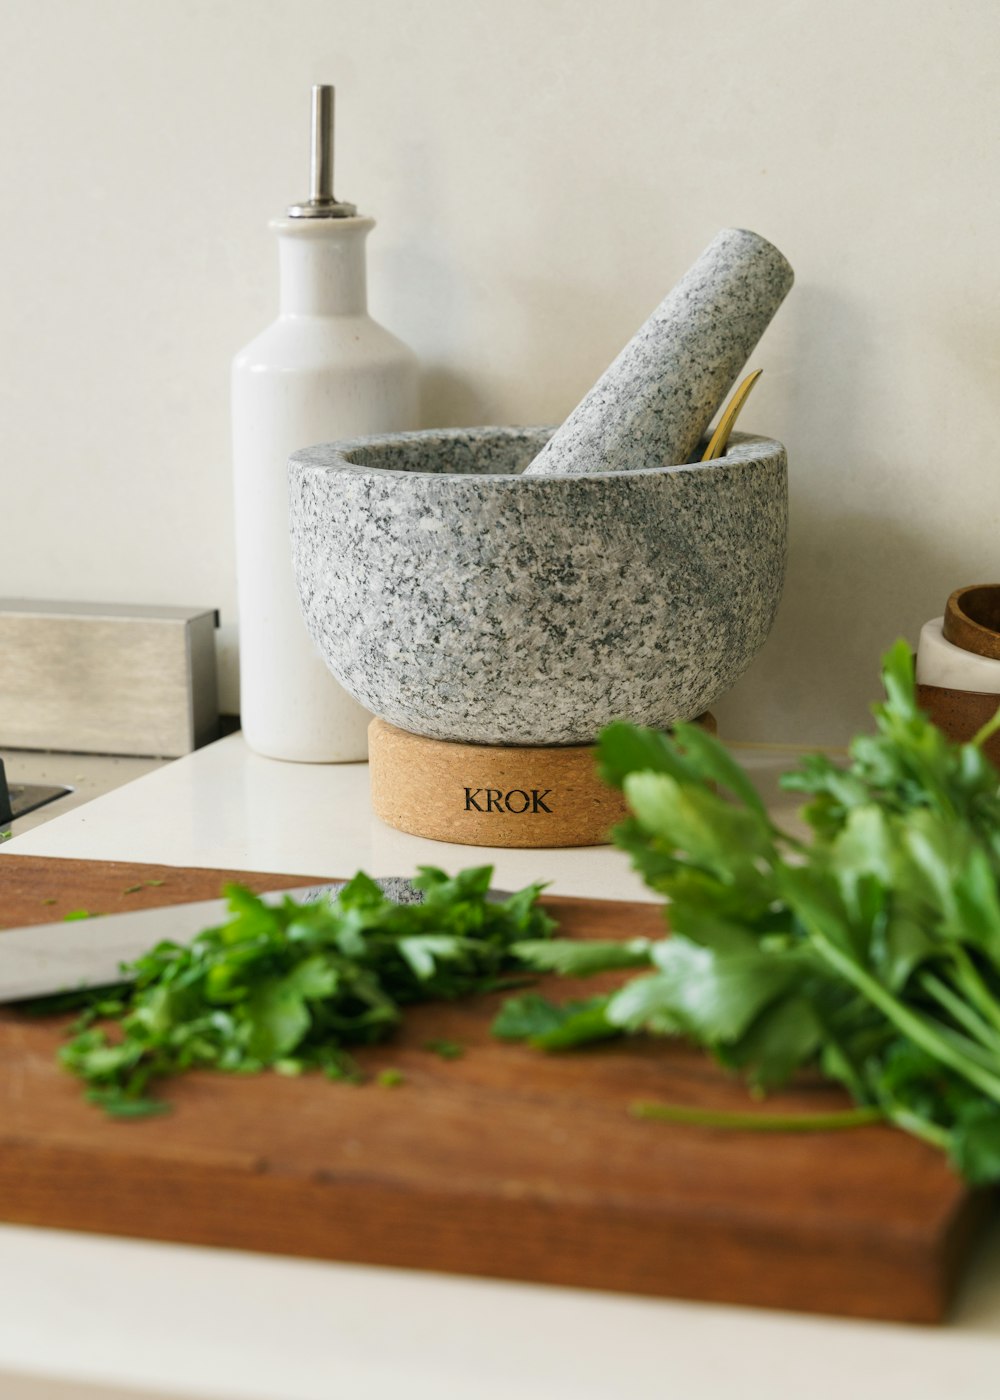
<point>395,887</point>
<point>654,403</point>
<point>462,601</point>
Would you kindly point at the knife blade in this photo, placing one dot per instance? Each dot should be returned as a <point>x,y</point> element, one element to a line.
<point>46,959</point>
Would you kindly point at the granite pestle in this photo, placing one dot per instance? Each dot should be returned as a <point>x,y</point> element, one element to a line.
<point>653,404</point>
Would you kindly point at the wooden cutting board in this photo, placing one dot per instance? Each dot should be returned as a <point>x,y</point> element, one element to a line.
<point>505,1163</point>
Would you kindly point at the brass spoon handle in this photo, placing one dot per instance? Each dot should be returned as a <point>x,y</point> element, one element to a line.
<point>720,438</point>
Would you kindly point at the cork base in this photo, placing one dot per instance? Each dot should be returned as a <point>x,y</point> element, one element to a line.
<point>486,795</point>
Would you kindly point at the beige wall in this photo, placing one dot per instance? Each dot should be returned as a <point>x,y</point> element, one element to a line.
<point>20,1387</point>
<point>542,171</point>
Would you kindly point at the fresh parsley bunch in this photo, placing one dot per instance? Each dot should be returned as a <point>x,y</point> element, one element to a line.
<point>871,952</point>
<point>289,987</point>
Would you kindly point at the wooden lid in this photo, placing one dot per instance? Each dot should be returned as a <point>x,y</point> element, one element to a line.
<point>972,619</point>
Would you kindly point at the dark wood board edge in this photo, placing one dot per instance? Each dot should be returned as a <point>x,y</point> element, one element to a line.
<point>516,1240</point>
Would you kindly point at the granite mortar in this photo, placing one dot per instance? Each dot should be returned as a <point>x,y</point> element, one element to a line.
<point>461,600</point>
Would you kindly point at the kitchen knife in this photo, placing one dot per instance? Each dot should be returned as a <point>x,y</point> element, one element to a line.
<point>45,959</point>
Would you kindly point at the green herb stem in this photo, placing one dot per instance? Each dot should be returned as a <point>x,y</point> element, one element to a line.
<point>961,1011</point>
<point>974,987</point>
<point>908,1022</point>
<point>759,1122</point>
<point>987,1059</point>
<point>986,731</point>
<point>915,1124</point>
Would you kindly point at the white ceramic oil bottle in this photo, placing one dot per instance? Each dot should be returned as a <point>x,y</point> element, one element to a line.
<point>324,370</point>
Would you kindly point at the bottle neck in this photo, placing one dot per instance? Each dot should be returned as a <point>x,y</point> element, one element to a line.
<point>322,266</point>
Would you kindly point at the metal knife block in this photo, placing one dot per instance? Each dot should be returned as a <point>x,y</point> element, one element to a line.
<point>107,678</point>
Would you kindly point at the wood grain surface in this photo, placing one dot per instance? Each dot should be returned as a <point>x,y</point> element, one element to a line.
<point>505,1162</point>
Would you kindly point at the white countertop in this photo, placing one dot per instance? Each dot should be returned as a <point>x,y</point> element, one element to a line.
<point>84,775</point>
<point>175,1320</point>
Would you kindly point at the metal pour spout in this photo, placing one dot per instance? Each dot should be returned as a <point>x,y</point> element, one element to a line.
<point>321,203</point>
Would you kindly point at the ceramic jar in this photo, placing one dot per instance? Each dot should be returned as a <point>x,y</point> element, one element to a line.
<point>958,665</point>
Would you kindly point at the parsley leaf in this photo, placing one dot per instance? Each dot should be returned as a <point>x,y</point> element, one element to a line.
<point>871,952</point>
<point>288,987</point>
<point>551,1026</point>
<point>445,1049</point>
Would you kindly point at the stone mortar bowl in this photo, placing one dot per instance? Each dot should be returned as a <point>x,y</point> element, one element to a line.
<point>459,600</point>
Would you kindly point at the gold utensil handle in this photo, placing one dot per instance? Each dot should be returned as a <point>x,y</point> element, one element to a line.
<point>720,438</point>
